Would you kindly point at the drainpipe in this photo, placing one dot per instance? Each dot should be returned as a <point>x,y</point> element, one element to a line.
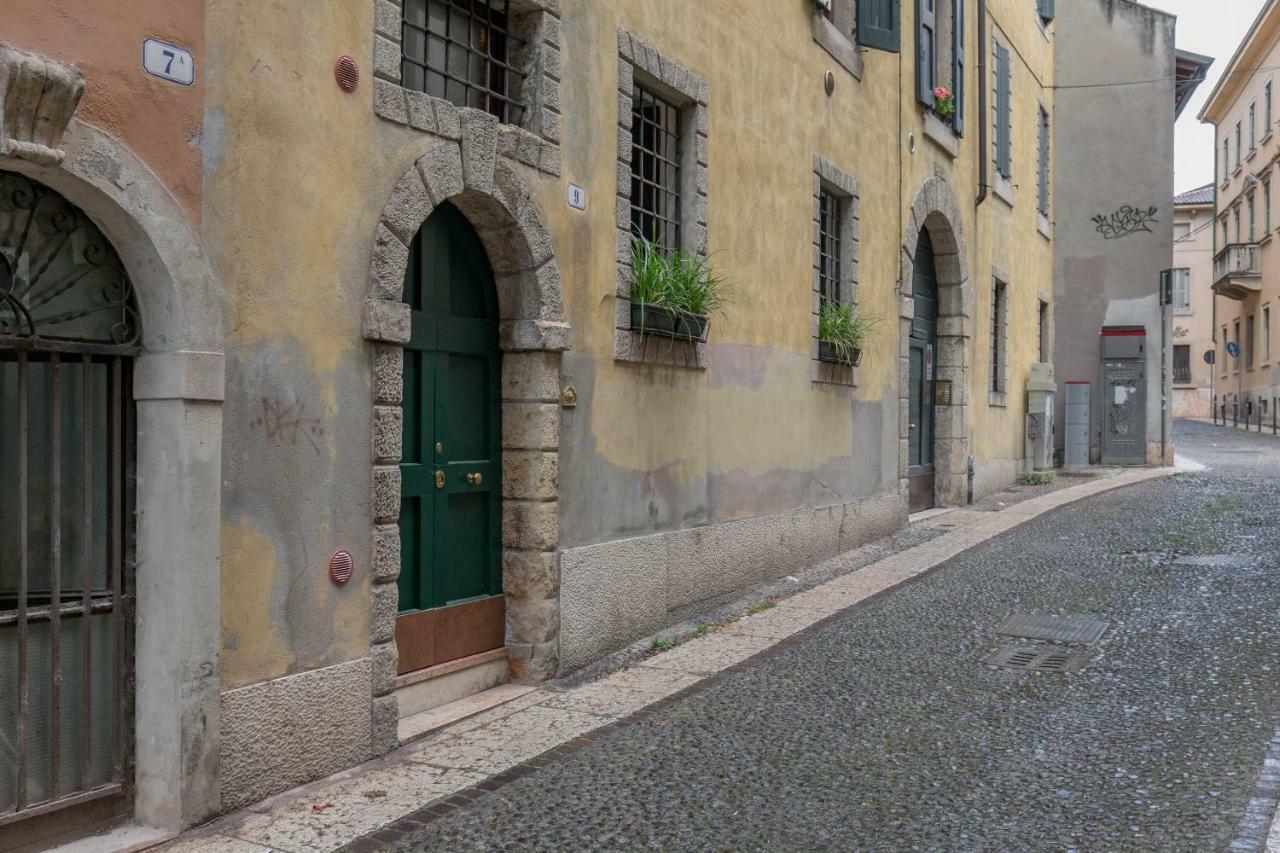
<point>983,121</point>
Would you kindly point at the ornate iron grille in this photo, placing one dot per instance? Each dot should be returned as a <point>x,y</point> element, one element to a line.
<point>1182,364</point>
<point>68,330</point>
<point>829,247</point>
<point>655,169</point>
<point>459,50</point>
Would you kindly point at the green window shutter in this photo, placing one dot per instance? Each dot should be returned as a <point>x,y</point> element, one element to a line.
<point>880,24</point>
<point>957,63</point>
<point>1045,8</point>
<point>1004,72</point>
<point>926,50</point>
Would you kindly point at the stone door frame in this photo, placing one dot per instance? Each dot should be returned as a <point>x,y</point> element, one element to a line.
<point>934,208</point>
<point>533,333</point>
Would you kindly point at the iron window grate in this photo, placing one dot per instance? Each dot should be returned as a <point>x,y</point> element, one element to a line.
<point>459,50</point>
<point>829,247</point>
<point>655,169</point>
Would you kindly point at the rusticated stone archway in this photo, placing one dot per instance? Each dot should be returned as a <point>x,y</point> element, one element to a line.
<point>532,334</point>
<point>935,208</point>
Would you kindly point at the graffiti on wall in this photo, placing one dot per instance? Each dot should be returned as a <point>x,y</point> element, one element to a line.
<point>284,421</point>
<point>1125,221</point>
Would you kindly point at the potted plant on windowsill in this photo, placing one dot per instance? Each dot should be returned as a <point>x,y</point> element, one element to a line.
<point>843,333</point>
<point>673,294</point>
<point>944,103</point>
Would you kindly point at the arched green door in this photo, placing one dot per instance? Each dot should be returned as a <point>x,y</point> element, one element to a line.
<point>451,603</point>
<point>923,346</point>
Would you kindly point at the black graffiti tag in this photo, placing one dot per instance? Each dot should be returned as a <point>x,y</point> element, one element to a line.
<point>1125,221</point>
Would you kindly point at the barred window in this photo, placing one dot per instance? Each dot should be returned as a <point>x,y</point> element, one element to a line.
<point>458,50</point>
<point>655,168</point>
<point>829,247</point>
<point>999,309</point>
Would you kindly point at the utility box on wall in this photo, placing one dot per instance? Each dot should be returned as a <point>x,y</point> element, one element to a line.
<point>1038,442</point>
<point>1076,429</point>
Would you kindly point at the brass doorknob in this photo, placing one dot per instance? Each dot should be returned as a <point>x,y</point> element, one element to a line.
<point>475,479</point>
<point>439,479</point>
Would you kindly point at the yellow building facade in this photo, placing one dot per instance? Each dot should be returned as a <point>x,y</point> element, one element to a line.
<point>1242,109</point>
<point>404,437</point>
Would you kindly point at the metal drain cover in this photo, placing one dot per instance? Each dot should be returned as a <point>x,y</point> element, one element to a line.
<point>1055,629</point>
<point>1036,660</point>
<point>1216,561</point>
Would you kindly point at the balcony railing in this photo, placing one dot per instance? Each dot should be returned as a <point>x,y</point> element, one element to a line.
<point>1237,270</point>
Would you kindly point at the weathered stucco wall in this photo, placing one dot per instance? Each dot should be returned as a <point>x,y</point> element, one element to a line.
<point>1104,275</point>
<point>160,121</point>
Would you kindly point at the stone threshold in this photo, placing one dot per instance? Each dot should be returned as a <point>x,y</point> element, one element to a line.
<point>417,726</point>
<point>377,803</point>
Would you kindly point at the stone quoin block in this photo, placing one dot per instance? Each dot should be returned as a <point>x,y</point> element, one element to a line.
<point>530,574</point>
<point>385,713</point>
<point>386,552</point>
<point>386,58</point>
<point>388,428</point>
<point>386,601</point>
<point>532,620</point>
<point>422,113</point>
<point>386,321</point>
<point>531,426</point>
<point>532,475</point>
<point>441,171</point>
<point>406,210</point>
<point>479,149</point>
<point>389,102</point>
<point>448,123</point>
<point>388,374</point>
<point>531,376</point>
<point>390,258</point>
<point>386,19</point>
<point>383,659</point>
<point>386,492</point>
<point>530,525</point>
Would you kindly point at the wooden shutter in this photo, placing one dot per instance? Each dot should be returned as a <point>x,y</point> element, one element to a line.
<point>1042,189</point>
<point>957,63</point>
<point>879,25</point>
<point>1045,7</point>
<point>926,42</point>
<point>1004,73</point>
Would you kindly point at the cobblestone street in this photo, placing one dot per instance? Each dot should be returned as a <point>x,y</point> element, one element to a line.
<point>882,728</point>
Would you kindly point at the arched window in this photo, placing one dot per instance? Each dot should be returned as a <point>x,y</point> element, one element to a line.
<point>68,331</point>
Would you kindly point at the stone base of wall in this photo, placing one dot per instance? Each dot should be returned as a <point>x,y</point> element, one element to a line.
<point>994,475</point>
<point>1192,403</point>
<point>615,593</point>
<point>287,731</point>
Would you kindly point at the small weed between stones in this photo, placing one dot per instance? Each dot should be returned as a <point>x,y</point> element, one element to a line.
<point>1037,478</point>
<point>761,607</point>
<point>662,644</point>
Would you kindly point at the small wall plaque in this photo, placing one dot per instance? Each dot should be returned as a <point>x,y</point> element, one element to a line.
<point>341,566</point>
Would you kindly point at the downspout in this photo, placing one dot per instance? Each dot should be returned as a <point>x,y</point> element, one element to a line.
<point>983,120</point>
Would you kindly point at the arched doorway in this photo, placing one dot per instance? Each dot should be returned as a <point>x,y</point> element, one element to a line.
<point>450,584</point>
<point>923,346</point>
<point>69,331</point>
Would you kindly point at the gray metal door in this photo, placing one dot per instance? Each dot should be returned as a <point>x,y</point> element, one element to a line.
<point>1123,407</point>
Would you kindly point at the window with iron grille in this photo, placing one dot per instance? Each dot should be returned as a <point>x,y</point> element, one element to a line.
<point>1222,357</point>
<point>1182,364</point>
<point>1248,342</point>
<point>459,50</point>
<point>655,168</point>
<point>1042,165</point>
<point>1044,331</point>
<point>1266,334</point>
<point>829,247</point>
<point>999,309</point>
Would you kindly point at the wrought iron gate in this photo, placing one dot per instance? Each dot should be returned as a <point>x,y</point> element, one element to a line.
<point>68,332</point>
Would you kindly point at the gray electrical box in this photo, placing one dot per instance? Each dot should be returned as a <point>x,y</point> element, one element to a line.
<point>1076,427</point>
<point>1123,404</point>
<point>1038,444</point>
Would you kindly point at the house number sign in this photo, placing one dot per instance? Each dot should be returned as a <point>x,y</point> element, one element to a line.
<point>168,62</point>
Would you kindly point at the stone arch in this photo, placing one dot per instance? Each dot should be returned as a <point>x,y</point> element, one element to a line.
<point>934,208</point>
<point>178,390</point>
<point>532,334</point>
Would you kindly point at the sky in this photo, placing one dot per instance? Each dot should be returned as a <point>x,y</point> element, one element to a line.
<point>1212,28</point>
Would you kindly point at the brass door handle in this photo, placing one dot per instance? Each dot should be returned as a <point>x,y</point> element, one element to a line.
<point>439,479</point>
<point>911,427</point>
<point>475,479</point>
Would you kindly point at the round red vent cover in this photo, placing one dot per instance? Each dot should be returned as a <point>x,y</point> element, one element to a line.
<point>340,566</point>
<point>347,73</point>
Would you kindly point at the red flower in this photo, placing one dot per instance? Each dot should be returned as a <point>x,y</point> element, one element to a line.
<point>941,93</point>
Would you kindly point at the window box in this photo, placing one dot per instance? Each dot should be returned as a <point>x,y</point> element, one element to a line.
<point>664,322</point>
<point>939,131</point>
<point>829,352</point>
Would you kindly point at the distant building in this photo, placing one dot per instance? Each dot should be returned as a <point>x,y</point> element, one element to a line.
<point>1193,302</point>
<point>1246,265</point>
<point>1114,224</point>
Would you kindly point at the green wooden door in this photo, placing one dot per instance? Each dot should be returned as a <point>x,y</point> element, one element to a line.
<point>450,515</point>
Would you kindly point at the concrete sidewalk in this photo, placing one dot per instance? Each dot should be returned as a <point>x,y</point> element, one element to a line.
<point>436,773</point>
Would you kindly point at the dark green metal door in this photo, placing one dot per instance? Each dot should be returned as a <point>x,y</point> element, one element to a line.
<point>450,515</point>
<point>922,349</point>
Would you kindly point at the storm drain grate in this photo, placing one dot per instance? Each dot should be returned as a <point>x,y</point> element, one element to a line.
<point>1054,629</point>
<point>1215,561</point>
<point>1036,660</point>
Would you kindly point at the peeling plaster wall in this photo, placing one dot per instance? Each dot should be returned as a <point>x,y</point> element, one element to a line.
<point>1103,164</point>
